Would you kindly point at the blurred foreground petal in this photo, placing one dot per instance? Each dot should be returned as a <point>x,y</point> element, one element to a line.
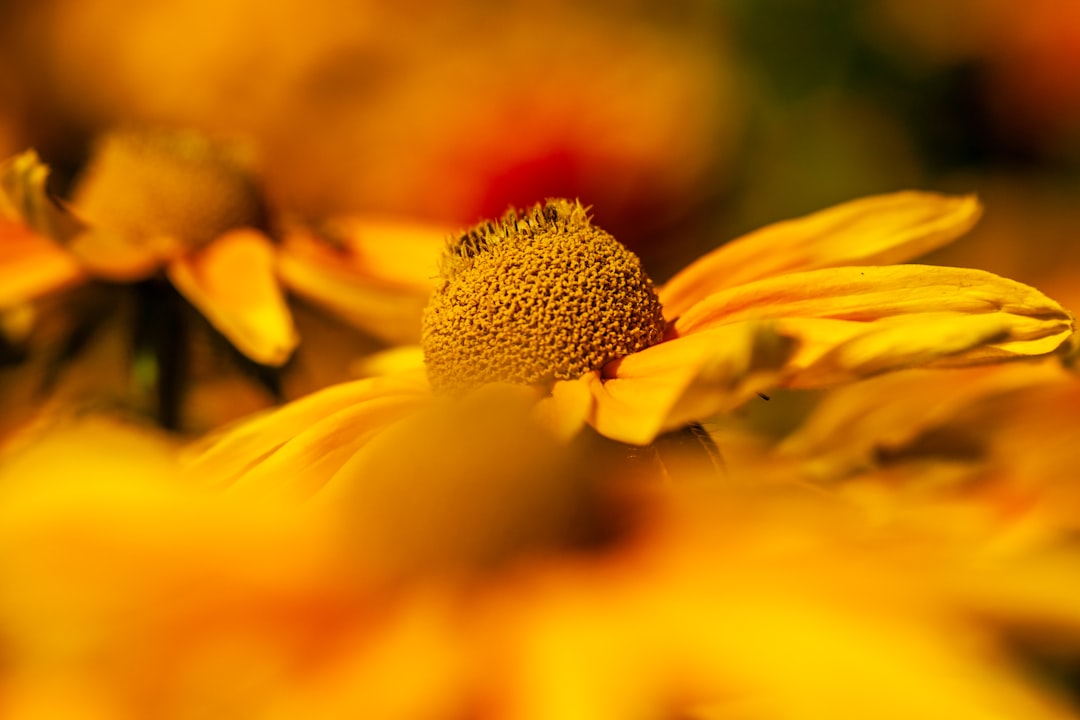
<point>463,485</point>
<point>851,424</point>
<point>31,265</point>
<point>143,595</point>
<point>287,447</point>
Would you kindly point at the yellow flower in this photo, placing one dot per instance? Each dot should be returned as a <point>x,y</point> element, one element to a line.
<point>728,315</point>
<point>178,203</point>
<point>545,298</point>
<point>153,200</point>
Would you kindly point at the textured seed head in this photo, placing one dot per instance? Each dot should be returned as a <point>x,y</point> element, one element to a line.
<point>167,182</point>
<point>536,296</point>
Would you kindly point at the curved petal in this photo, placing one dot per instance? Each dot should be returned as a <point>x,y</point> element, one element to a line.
<point>871,293</point>
<point>567,409</point>
<point>834,351</point>
<point>851,424</point>
<point>686,379</point>
<point>232,282</point>
<point>23,198</point>
<point>307,461</point>
<point>389,361</point>
<point>320,430</point>
<point>376,275</point>
<point>101,251</point>
<point>123,257</point>
<point>403,253</point>
<point>877,230</point>
<point>31,265</point>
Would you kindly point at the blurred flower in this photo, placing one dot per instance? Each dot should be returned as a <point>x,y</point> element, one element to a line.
<point>157,204</point>
<point>155,200</point>
<point>783,306</point>
<point>130,593</point>
<point>163,200</point>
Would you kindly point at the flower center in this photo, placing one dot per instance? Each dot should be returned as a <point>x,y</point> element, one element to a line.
<point>534,297</point>
<point>164,182</point>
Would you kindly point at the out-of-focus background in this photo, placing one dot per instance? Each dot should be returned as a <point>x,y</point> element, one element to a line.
<point>683,123</point>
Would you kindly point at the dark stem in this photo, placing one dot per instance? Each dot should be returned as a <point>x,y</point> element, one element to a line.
<point>161,334</point>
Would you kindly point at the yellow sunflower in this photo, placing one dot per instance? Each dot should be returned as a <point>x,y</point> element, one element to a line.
<point>544,298</point>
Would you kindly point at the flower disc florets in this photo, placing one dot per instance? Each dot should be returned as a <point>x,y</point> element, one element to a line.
<point>534,297</point>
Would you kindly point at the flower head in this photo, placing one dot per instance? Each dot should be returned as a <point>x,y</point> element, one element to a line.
<point>802,304</point>
<point>543,298</point>
<point>536,297</point>
<point>160,192</point>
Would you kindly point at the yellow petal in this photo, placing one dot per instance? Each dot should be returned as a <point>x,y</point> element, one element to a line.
<point>389,361</point>
<point>233,283</point>
<point>23,198</point>
<point>851,423</point>
<point>356,408</point>
<point>925,339</point>
<point>871,293</point>
<point>31,265</point>
<point>306,462</point>
<point>122,257</point>
<point>685,379</point>
<point>376,275</point>
<point>1033,588</point>
<point>567,409</point>
<point>400,252</point>
<point>93,528</point>
<point>881,229</point>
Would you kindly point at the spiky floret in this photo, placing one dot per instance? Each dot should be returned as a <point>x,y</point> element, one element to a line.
<point>536,296</point>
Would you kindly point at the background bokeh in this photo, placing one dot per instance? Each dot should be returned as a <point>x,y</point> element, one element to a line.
<point>682,122</point>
